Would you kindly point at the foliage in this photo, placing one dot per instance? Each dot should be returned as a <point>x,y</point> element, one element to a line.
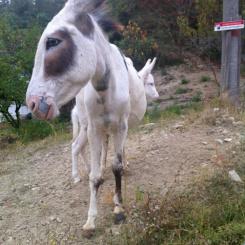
<point>155,113</point>
<point>197,97</point>
<point>181,90</point>
<point>20,27</point>
<point>175,25</point>
<point>137,45</point>
<point>198,31</point>
<point>35,130</point>
<point>16,48</point>
<point>205,79</point>
<point>210,213</point>
<point>184,81</point>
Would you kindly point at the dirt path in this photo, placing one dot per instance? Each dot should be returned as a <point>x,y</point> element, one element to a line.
<point>40,205</point>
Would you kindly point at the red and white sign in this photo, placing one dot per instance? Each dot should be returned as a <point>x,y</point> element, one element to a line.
<point>229,25</point>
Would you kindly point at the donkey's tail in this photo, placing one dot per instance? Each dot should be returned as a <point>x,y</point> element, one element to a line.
<point>75,123</point>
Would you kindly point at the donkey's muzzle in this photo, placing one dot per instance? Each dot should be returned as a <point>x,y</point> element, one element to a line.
<point>40,107</point>
<point>43,106</point>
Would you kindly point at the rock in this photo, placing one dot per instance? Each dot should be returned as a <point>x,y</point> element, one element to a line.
<point>219,141</point>
<point>43,223</point>
<point>211,131</point>
<point>218,122</point>
<point>225,131</point>
<point>115,230</point>
<point>238,123</point>
<point>228,140</point>
<point>10,240</point>
<point>148,126</point>
<point>231,120</point>
<point>178,126</point>
<point>234,176</point>
<point>52,218</point>
<point>58,220</point>
<point>204,143</point>
<point>216,109</point>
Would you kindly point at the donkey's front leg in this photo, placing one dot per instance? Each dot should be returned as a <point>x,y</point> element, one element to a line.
<point>117,168</point>
<point>95,180</point>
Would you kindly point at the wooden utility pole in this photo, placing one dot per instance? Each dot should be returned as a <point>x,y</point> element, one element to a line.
<point>231,53</point>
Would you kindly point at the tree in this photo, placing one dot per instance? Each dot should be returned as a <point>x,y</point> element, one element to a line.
<point>16,60</point>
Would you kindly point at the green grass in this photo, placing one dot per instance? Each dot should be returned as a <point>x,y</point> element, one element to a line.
<point>185,81</point>
<point>197,97</point>
<point>205,79</point>
<point>32,130</point>
<point>181,91</point>
<point>171,112</point>
<point>212,212</point>
<point>35,130</point>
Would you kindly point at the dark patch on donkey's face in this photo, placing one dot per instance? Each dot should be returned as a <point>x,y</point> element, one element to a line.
<point>61,57</point>
<point>84,24</point>
<point>103,84</point>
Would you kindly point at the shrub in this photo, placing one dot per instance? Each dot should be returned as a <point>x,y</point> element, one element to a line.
<point>137,45</point>
<point>185,81</point>
<point>36,130</point>
<point>205,79</point>
<point>181,90</point>
<point>211,213</point>
<point>197,97</point>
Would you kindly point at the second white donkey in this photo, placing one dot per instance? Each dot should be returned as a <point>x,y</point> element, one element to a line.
<point>141,89</point>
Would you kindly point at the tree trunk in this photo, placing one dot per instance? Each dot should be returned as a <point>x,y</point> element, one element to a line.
<point>231,54</point>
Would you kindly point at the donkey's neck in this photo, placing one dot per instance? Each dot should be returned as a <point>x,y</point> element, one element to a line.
<point>101,79</point>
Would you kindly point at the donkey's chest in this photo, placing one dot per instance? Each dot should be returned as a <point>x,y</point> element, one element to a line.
<point>102,113</point>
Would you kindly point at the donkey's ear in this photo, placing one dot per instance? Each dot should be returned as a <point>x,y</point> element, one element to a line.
<point>147,69</point>
<point>84,24</point>
<point>148,63</point>
<point>152,64</point>
<point>87,6</point>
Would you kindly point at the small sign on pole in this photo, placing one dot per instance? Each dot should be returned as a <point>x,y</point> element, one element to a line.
<point>229,25</point>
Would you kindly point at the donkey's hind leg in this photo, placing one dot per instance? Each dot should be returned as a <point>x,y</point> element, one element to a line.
<point>78,146</point>
<point>104,154</point>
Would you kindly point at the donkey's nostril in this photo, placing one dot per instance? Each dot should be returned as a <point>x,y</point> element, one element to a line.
<point>32,106</point>
<point>43,106</point>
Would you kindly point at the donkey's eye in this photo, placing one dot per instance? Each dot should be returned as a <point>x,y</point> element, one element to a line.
<point>52,42</point>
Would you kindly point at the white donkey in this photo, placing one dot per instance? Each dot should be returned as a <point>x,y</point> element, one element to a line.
<point>142,89</point>
<point>73,50</point>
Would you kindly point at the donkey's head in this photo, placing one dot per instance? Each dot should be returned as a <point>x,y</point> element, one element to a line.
<point>66,58</point>
<point>147,77</point>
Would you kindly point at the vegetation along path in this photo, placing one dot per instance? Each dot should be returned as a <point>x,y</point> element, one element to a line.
<point>40,205</point>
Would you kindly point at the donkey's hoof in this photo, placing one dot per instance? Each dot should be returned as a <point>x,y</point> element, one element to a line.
<point>88,233</point>
<point>119,218</point>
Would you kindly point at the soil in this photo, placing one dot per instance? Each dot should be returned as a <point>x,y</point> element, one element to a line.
<point>39,204</point>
